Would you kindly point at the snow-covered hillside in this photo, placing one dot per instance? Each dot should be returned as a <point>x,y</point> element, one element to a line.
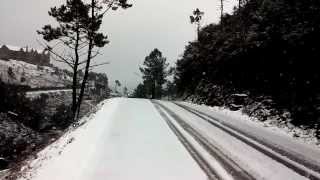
<point>22,73</point>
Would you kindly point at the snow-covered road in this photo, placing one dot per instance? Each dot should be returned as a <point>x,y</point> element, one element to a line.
<point>136,139</point>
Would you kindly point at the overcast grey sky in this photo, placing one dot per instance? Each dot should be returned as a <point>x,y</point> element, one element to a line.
<point>133,33</point>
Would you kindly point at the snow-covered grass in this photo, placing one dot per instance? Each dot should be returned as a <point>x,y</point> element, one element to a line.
<point>32,75</point>
<point>299,134</point>
<point>287,129</point>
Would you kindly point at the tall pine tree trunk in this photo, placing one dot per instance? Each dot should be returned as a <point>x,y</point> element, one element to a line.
<point>153,93</point>
<point>221,15</point>
<point>198,31</point>
<point>87,68</point>
<point>75,75</point>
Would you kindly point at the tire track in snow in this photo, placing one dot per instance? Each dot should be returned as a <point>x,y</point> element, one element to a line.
<point>228,164</point>
<point>301,167</point>
<point>211,174</point>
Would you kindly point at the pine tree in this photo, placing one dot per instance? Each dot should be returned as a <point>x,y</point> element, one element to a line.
<point>72,18</point>
<point>125,91</point>
<point>196,19</point>
<point>155,70</point>
<point>117,84</point>
<point>95,38</point>
<point>78,32</point>
<point>170,90</point>
<point>140,91</point>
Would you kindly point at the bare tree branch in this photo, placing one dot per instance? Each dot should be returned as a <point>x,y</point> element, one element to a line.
<point>95,65</point>
<point>66,43</point>
<point>92,57</point>
<point>62,59</point>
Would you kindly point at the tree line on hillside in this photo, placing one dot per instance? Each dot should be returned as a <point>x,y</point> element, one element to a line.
<point>266,48</point>
<point>24,54</point>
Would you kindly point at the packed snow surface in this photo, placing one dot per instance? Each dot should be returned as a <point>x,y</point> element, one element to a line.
<point>125,140</point>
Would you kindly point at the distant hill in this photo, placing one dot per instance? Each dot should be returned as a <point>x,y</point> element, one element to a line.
<point>35,76</point>
<point>32,56</point>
